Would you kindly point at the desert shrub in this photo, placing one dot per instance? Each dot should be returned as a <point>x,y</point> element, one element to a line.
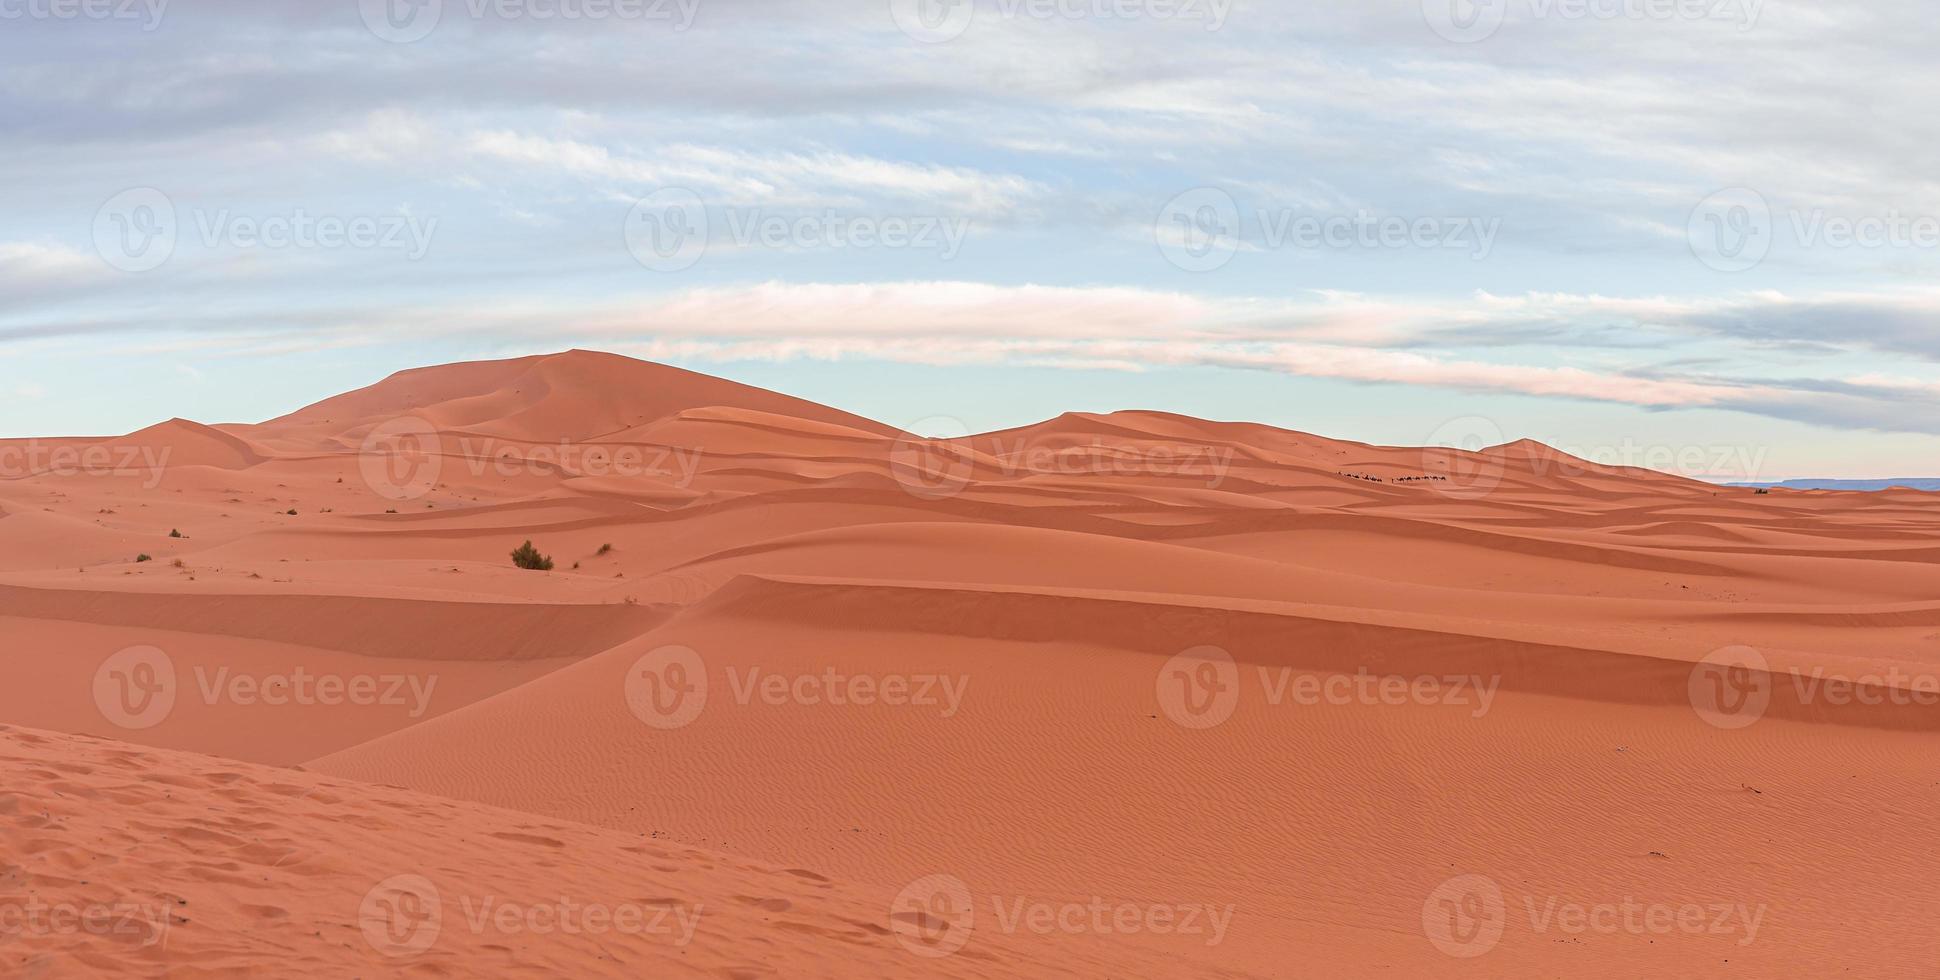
<point>527,557</point>
<point>175,533</point>
<point>142,558</point>
<point>605,548</point>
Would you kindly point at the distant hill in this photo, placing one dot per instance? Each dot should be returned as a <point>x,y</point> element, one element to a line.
<point>1911,483</point>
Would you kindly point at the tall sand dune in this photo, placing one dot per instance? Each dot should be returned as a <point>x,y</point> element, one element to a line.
<point>1114,694</point>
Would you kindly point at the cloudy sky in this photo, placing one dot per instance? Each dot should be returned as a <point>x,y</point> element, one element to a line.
<point>1697,234</point>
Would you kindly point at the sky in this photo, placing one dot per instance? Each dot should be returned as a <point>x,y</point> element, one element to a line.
<point>1699,235</point>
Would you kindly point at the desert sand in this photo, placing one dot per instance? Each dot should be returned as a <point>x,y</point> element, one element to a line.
<point>1124,695</point>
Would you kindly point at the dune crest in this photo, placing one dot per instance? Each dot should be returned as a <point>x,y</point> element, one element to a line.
<point>839,683</point>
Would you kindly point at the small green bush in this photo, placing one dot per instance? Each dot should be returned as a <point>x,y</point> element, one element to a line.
<point>527,557</point>
<point>142,558</point>
<point>175,533</point>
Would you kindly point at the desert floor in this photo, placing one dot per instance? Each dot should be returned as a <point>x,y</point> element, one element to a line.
<point>1128,695</point>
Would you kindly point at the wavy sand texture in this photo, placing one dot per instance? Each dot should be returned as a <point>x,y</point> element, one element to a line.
<point>1348,710</point>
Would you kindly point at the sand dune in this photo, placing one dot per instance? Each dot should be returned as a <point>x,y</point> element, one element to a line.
<point>139,862</point>
<point>1364,710</point>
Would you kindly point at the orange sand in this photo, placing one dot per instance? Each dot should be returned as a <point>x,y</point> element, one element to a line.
<point>1124,695</point>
